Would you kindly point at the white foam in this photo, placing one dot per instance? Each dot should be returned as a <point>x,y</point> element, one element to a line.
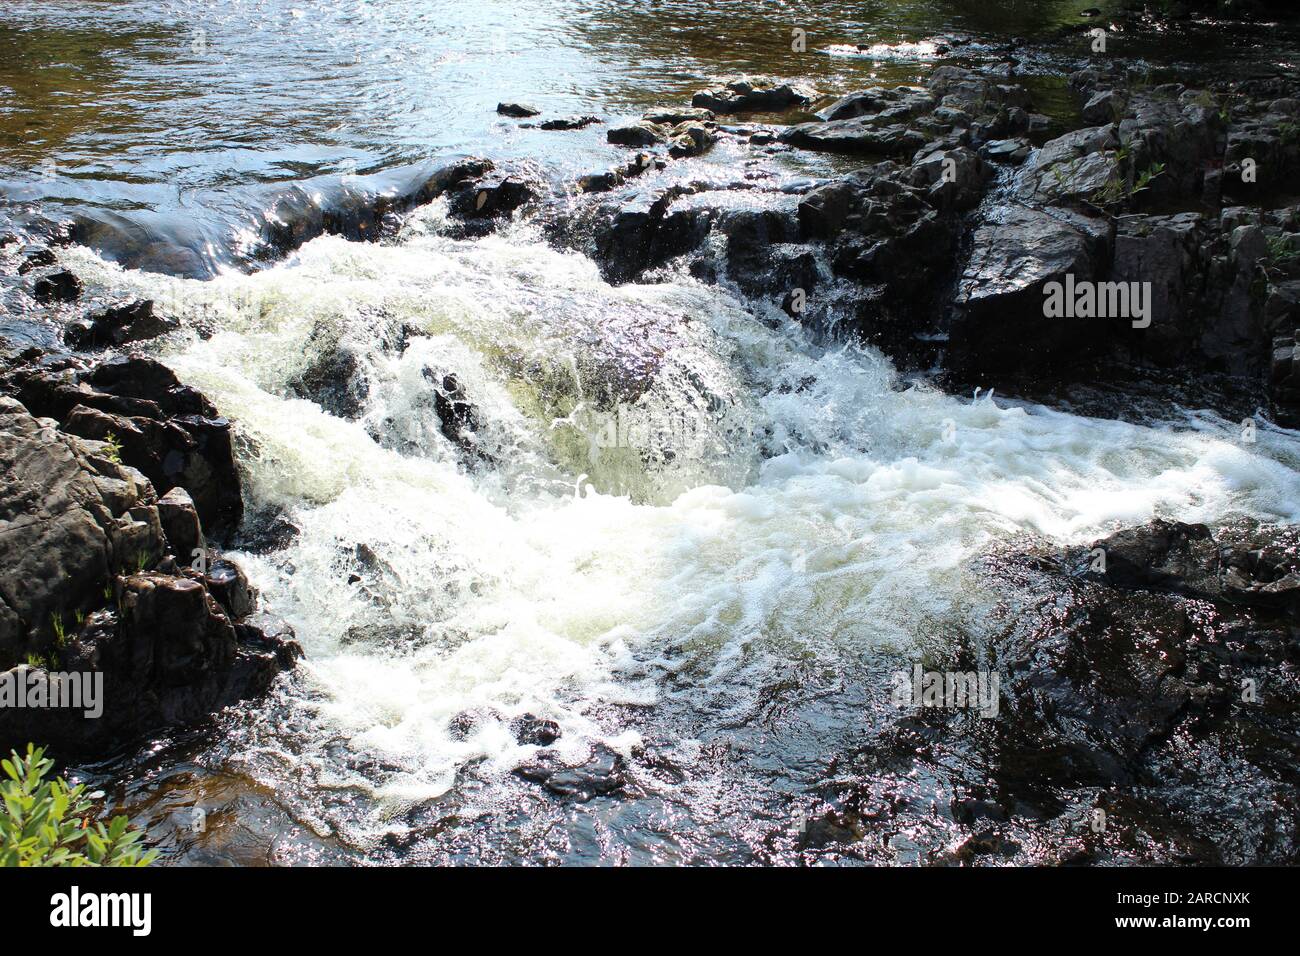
<point>833,508</point>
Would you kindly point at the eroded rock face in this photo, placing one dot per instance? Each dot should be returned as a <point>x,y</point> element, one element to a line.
<point>168,431</point>
<point>71,519</point>
<point>90,584</point>
<point>1002,326</point>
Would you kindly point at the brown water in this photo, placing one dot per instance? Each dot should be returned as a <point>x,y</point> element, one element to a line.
<point>167,114</point>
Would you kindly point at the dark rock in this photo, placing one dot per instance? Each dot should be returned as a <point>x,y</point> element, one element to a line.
<point>57,287</point>
<point>336,382</point>
<point>673,117</point>
<point>227,583</point>
<point>603,774</point>
<point>862,135</point>
<point>747,94</point>
<point>637,135</point>
<point>181,524</point>
<point>690,139</point>
<point>491,197</point>
<point>954,178</point>
<point>883,105</point>
<point>77,527</point>
<point>70,519</point>
<point>38,258</point>
<point>167,430</point>
<point>1001,326</point>
<point>517,110</point>
<point>118,325</point>
<point>569,122</point>
<point>535,731</point>
<point>1242,564</point>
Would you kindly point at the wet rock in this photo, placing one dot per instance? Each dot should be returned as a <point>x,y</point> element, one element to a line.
<point>863,136</point>
<point>57,287</point>
<point>569,122</point>
<point>1166,252</point>
<point>884,105</point>
<point>1001,325</point>
<point>1014,151</point>
<point>530,730</point>
<point>690,139</point>
<point>118,325</point>
<point>1242,564</point>
<point>492,197</point>
<point>457,419</point>
<point>1076,165</point>
<point>954,178</point>
<point>517,110</point>
<point>38,258</point>
<point>673,117</point>
<point>1107,106</point>
<point>603,774</point>
<point>336,381</point>
<point>181,525</point>
<point>823,211</point>
<point>227,583</point>
<point>70,519</point>
<point>637,135</point>
<point>168,431</point>
<point>1284,381</point>
<point>749,94</point>
<point>76,527</point>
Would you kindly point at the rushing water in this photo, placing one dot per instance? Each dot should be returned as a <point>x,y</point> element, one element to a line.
<point>712,578</point>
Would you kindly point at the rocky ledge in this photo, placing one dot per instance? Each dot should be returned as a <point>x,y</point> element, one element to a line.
<point>941,247</point>
<point>1147,714</point>
<point>112,471</point>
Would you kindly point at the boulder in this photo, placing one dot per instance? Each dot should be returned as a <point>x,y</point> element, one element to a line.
<point>181,525</point>
<point>637,135</point>
<point>117,325</point>
<point>87,588</point>
<point>168,431</point>
<point>751,94</point>
<point>862,135</point>
<point>516,110</point>
<point>1000,326</point>
<point>57,287</point>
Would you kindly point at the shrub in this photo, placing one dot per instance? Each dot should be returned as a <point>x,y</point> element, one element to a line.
<point>44,823</point>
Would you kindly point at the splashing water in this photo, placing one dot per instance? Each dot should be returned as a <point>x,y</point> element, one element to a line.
<point>663,483</point>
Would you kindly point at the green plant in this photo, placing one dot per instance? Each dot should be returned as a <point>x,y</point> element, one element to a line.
<point>1280,250</point>
<point>60,633</point>
<point>1289,132</point>
<point>79,616</point>
<point>114,449</point>
<point>37,660</point>
<point>141,562</point>
<point>1144,178</point>
<point>46,823</point>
